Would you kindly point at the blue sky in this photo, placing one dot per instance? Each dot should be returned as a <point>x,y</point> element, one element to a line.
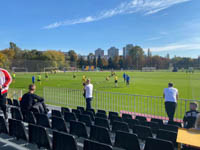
<point>164,26</point>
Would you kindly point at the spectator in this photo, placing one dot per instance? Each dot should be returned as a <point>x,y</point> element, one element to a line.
<point>5,80</point>
<point>171,96</point>
<point>197,124</point>
<point>28,102</point>
<point>88,93</point>
<point>190,116</point>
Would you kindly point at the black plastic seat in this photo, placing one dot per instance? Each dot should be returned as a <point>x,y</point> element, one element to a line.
<point>101,115</point>
<point>90,113</point>
<point>92,110</point>
<point>16,103</point>
<point>86,119</point>
<point>175,123</point>
<point>132,123</point>
<point>29,117</point>
<point>167,135</point>
<point>59,124</point>
<point>63,141</point>
<point>93,145</point>
<point>102,122</point>
<point>126,116</point>
<point>17,129</point>
<point>77,112</point>
<point>35,111</point>
<point>9,101</point>
<point>153,125</point>
<point>127,141</point>
<point>16,113</point>
<point>78,128</point>
<point>170,128</point>
<point>100,134</point>
<point>143,132</point>
<point>111,113</point>
<point>120,126</point>
<point>82,109</point>
<point>158,144</point>
<point>40,136</point>
<point>141,118</point>
<point>56,113</point>
<point>101,111</point>
<point>3,125</point>
<point>115,118</point>
<point>69,116</point>
<point>43,120</point>
<point>64,109</point>
<point>159,121</point>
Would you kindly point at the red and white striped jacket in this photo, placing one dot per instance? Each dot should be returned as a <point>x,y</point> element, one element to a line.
<point>5,80</point>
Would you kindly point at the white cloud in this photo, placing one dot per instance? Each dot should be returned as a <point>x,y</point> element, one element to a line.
<point>147,7</point>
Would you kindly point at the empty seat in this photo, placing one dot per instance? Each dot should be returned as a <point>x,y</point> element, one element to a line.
<point>159,121</point>
<point>101,111</point>
<point>63,141</point>
<point>126,116</point>
<point>17,129</point>
<point>40,136</point>
<point>56,113</point>
<point>170,128</point>
<point>102,122</point>
<point>82,109</point>
<point>59,124</point>
<point>9,101</point>
<point>153,125</point>
<point>86,119</point>
<point>93,145</point>
<point>132,123</point>
<point>16,113</point>
<point>167,135</point>
<point>78,129</point>
<point>16,103</point>
<point>43,120</point>
<point>92,110</point>
<point>100,134</point>
<point>120,126</point>
<point>143,132</point>
<point>90,113</point>
<point>69,116</point>
<point>175,123</point>
<point>141,118</point>
<point>111,113</point>
<point>101,115</point>
<point>115,118</point>
<point>76,112</point>
<point>29,117</point>
<point>3,125</point>
<point>158,144</point>
<point>126,141</point>
<point>64,109</point>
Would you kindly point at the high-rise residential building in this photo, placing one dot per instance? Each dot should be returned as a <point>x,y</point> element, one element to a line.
<point>112,52</point>
<point>99,52</point>
<point>127,49</point>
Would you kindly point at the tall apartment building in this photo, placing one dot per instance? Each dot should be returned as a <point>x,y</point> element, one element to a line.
<point>127,49</point>
<point>112,52</point>
<point>99,52</point>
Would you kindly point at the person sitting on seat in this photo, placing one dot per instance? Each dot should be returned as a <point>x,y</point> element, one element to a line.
<point>190,116</point>
<point>31,101</point>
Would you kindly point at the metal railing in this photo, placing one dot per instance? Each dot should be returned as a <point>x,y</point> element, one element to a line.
<point>152,106</point>
<point>14,93</point>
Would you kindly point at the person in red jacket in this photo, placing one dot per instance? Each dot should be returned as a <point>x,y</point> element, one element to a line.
<point>5,80</point>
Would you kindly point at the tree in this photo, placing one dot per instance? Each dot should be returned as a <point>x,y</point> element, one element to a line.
<point>94,62</point>
<point>99,62</point>
<point>81,62</point>
<point>73,56</point>
<point>110,63</point>
<point>121,63</point>
<point>137,55</point>
<point>3,61</point>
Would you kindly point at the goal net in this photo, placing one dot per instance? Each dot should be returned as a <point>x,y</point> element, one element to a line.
<point>18,69</point>
<point>148,69</point>
<point>50,69</point>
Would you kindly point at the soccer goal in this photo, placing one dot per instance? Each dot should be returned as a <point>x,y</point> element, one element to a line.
<point>148,69</point>
<point>19,69</point>
<point>50,69</point>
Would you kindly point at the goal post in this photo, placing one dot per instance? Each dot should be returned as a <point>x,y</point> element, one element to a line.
<point>148,69</point>
<point>19,69</point>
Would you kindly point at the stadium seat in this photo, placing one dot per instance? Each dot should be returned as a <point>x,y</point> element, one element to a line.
<point>143,132</point>
<point>115,118</point>
<point>101,111</point>
<point>35,111</point>
<point>170,128</point>
<point>86,119</point>
<point>17,129</point>
<point>159,121</point>
<point>92,110</point>
<point>167,135</point>
<point>100,134</point>
<point>132,123</point>
<point>42,120</point>
<point>175,123</point>
<point>111,113</point>
<point>102,123</point>
<point>64,109</point>
<point>101,115</point>
<point>40,136</point>
<point>120,126</point>
<point>90,113</point>
<point>3,126</point>
<point>9,101</point>
<point>92,145</point>
<point>77,112</point>
<point>16,103</point>
<point>56,113</point>
<point>82,109</point>
<point>158,144</point>
<point>68,116</point>
<point>29,117</point>
<point>16,113</point>
<point>127,141</point>
<point>126,116</point>
<point>78,128</point>
<point>59,124</point>
<point>63,141</point>
<point>141,118</point>
<point>153,125</point>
